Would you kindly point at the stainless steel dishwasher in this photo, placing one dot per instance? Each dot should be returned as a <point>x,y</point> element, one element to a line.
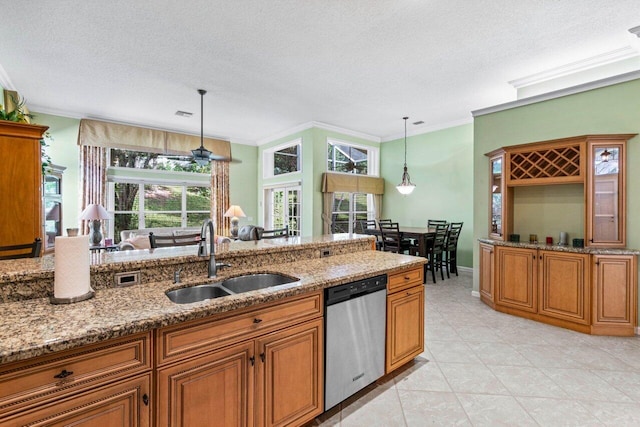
<point>355,319</point>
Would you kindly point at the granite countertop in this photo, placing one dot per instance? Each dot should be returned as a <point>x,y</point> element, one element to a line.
<point>36,327</point>
<point>562,248</point>
<point>34,268</point>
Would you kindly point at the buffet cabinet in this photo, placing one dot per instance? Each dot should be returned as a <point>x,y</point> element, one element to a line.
<point>590,293</point>
<point>598,162</point>
<point>20,183</point>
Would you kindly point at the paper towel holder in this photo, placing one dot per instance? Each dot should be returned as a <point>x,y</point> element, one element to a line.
<point>71,300</point>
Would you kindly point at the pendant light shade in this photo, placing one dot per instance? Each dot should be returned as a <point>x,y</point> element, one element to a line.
<point>406,186</point>
<point>201,155</point>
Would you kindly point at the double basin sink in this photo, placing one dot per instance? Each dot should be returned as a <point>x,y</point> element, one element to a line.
<point>231,286</point>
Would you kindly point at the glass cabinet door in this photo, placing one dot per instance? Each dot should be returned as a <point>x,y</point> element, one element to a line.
<point>496,186</point>
<point>52,204</point>
<point>606,202</point>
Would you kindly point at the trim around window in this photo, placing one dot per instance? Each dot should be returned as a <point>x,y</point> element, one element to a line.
<point>372,160</point>
<point>282,160</point>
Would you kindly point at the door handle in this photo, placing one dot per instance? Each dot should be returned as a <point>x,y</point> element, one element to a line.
<point>63,374</point>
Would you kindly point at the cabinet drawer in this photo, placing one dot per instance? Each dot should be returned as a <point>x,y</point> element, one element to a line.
<point>188,339</point>
<point>41,379</point>
<point>405,279</point>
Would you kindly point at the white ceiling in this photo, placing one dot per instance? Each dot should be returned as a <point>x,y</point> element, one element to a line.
<point>272,65</point>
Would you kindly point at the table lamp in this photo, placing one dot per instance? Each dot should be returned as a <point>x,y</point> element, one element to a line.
<point>234,212</point>
<point>94,213</point>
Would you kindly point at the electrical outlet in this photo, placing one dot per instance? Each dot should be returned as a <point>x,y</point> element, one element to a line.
<point>325,252</point>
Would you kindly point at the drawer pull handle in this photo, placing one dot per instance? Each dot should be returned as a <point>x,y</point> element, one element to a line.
<point>63,374</point>
<point>407,278</point>
<point>257,320</point>
<point>145,399</point>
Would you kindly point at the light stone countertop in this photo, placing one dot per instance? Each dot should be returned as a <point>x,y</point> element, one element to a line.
<point>36,327</point>
<point>562,248</point>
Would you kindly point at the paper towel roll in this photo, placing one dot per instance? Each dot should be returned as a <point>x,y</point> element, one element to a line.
<point>71,274</point>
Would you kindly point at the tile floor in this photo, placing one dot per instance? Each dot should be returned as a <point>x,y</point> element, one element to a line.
<point>484,368</point>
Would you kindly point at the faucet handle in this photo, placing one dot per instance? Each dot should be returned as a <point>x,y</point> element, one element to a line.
<point>176,275</point>
<point>202,247</point>
<point>222,264</point>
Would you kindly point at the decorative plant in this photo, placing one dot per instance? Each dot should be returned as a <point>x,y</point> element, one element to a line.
<point>20,115</point>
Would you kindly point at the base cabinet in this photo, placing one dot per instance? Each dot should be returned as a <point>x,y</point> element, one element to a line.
<point>487,274</point>
<point>614,294</point>
<point>272,375</point>
<point>564,286</point>
<point>405,318</point>
<point>517,275</point>
<point>123,404</point>
<point>590,293</point>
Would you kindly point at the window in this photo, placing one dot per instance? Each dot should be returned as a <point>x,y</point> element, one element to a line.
<point>350,158</point>
<point>348,209</point>
<point>283,159</point>
<point>147,190</point>
<point>283,207</point>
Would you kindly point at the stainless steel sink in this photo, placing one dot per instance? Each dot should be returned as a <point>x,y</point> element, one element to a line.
<point>196,293</point>
<point>231,286</point>
<point>252,282</point>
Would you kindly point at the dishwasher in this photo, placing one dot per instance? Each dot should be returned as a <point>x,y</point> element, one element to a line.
<point>355,319</point>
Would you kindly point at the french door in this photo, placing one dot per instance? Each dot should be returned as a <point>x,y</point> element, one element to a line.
<point>283,206</point>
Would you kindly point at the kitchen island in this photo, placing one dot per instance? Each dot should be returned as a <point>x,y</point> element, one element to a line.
<point>126,350</point>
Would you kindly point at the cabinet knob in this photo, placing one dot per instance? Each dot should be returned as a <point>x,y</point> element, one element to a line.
<point>145,399</point>
<point>252,359</point>
<point>262,357</point>
<point>257,320</point>
<point>63,374</point>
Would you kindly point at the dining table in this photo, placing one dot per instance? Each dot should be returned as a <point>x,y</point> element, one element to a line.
<point>421,234</point>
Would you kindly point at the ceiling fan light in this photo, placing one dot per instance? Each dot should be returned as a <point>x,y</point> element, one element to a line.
<point>605,155</point>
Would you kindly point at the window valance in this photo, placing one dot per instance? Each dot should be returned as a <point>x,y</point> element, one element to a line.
<point>96,133</point>
<point>349,183</point>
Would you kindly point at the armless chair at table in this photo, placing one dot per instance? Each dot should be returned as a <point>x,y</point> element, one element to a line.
<point>451,247</point>
<point>435,251</point>
<point>392,240</point>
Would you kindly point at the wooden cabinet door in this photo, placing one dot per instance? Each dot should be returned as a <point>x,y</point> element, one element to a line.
<point>517,278</point>
<point>215,389</point>
<point>123,404</point>
<point>564,286</point>
<point>20,183</point>
<point>290,375</point>
<point>614,294</point>
<point>486,274</point>
<point>405,327</point>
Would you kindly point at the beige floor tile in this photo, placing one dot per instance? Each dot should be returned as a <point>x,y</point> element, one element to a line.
<point>582,384</point>
<point>498,354</point>
<point>615,414</point>
<point>558,412</point>
<point>377,406</point>
<point>494,411</point>
<point>625,381</point>
<point>527,381</point>
<point>428,408</point>
<point>421,376</point>
<point>472,378</point>
<point>451,352</point>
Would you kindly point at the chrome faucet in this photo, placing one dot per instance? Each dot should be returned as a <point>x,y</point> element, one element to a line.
<point>202,248</point>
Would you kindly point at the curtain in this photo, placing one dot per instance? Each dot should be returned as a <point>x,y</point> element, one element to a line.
<point>93,169</point>
<point>377,206</point>
<point>220,196</point>
<point>327,207</point>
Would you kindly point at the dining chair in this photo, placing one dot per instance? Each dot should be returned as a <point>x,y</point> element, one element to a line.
<point>451,247</point>
<point>435,250</point>
<point>164,241</point>
<point>368,225</point>
<point>275,233</point>
<point>26,250</point>
<point>391,238</point>
<point>431,223</point>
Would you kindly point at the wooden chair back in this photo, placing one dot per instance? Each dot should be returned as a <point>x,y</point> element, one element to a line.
<point>163,241</point>
<point>276,233</point>
<point>26,250</point>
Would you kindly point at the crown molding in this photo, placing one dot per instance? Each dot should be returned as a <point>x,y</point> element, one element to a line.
<point>597,84</point>
<point>635,30</point>
<point>5,81</point>
<point>576,67</point>
<point>319,125</point>
<point>428,129</point>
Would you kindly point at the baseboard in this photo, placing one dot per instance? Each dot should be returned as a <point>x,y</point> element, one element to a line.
<point>475,294</point>
<point>638,330</point>
<point>465,269</point>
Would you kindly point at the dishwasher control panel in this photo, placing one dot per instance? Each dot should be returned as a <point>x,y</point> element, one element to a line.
<point>354,289</point>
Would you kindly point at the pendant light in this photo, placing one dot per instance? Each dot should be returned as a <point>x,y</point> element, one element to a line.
<point>405,187</point>
<point>201,155</point>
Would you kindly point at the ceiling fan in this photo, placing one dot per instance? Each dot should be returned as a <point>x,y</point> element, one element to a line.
<point>352,166</point>
<point>201,155</point>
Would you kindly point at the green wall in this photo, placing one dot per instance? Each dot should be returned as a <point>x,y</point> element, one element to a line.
<point>314,149</point>
<point>242,181</point>
<point>440,165</point>
<point>612,109</point>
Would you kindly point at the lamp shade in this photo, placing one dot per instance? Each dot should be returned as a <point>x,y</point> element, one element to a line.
<point>94,211</point>
<point>234,210</point>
